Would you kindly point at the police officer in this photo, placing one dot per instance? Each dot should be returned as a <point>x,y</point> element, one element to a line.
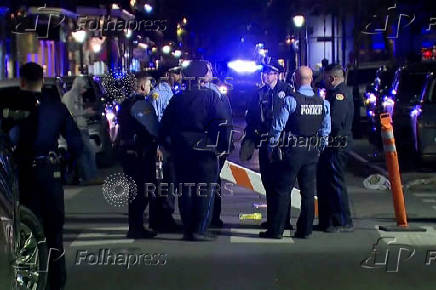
<point>303,121</point>
<point>35,122</point>
<point>216,216</point>
<point>164,207</point>
<point>259,116</point>
<point>334,210</point>
<point>138,131</point>
<point>192,123</point>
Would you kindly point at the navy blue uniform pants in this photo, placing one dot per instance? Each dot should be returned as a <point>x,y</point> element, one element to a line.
<point>196,175</point>
<point>42,192</point>
<point>140,166</point>
<point>334,209</point>
<point>267,172</point>
<point>298,163</point>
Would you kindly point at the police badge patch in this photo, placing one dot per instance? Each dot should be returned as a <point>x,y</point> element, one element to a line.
<point>340,97</point>
<point>281,94</point>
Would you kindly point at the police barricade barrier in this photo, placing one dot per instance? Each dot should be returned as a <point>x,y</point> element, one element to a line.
<point>251,180</point>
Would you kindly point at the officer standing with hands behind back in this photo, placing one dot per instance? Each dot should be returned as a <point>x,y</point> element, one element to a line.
<point>334,209</point>
<point>303,121</point>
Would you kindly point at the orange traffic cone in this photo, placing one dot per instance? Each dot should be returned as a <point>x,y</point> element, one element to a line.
<point>391,156</point>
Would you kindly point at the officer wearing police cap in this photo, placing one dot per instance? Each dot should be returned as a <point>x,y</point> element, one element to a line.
<point>261,109</point>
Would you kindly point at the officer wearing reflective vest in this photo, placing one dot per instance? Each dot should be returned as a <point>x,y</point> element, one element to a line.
<point>261,110</point>
<point>299,130</point>
<point>138,130</point>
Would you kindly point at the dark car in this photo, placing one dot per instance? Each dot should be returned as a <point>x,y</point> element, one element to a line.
<point>23,250</point>
<point>408,98</point>
<point>423,121</point>
<point>375,95</point>
<point>358,79</point>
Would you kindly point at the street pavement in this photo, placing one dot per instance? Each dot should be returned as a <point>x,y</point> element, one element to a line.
<point>239,259</point>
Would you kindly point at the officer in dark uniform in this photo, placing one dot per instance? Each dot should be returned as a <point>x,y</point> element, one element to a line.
<point>259,116</point>
<point>195,131</point>
<point>35,134</point>
<point>304,124</point>
<point>217,222</point>
<point>138,132</point>
<point>334,210</point>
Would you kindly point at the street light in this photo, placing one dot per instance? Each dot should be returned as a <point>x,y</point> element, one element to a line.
<point>79,36</point>
<point>298,21</point>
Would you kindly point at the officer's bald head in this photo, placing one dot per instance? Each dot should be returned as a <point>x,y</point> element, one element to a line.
<point>303,76</point>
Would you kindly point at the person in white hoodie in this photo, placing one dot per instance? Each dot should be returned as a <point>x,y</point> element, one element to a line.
<point>73,99</point>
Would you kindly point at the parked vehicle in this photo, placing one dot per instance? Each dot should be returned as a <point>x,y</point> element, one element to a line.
<point>410,104</point>
<point>358,79</point>
<point>374,96</point>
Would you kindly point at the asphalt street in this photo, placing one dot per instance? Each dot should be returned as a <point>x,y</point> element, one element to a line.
<point>239,259</point>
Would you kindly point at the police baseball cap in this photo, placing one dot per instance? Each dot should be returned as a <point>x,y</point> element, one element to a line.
<point>273,65</point>
<point>196,69</point>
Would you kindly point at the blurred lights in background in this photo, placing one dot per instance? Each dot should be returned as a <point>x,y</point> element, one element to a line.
<point>79,36</point>
<point>244,66</point>
<point>166,49</point>
<point>177,53</point>
<point>148,8</point>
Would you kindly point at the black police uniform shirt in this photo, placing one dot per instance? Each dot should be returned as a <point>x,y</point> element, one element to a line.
<point>39,131</point>
<point>341,111</point>
<point>196,120</point>
<point>133,134</point>
<point>261,109</point>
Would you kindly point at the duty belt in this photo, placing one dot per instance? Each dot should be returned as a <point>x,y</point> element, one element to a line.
<point>51,159</point>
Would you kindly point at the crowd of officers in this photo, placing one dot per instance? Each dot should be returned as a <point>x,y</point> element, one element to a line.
<point>300,135</point>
